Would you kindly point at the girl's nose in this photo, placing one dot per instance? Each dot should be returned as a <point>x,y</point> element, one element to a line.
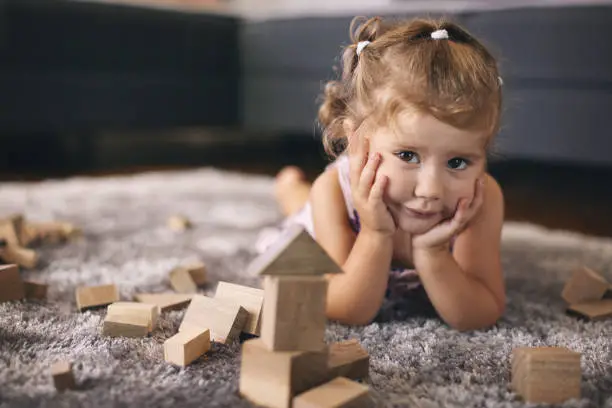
<point>429,185</point>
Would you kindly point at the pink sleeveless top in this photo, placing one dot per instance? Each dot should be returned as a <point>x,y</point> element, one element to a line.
<point>401,280</point>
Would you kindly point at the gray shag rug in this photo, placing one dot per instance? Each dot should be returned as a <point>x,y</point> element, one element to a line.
<point>415,360</point>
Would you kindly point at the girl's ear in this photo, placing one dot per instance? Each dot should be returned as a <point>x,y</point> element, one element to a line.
<point>348,127</point>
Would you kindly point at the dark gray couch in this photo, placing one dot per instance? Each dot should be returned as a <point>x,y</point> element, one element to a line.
<point>77,67</point>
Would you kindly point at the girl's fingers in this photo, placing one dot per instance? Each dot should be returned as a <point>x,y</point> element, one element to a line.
<point>378,189</point>
<point>357,160</point>
<point>368,174</point>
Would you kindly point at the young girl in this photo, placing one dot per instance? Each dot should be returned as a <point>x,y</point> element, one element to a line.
<point>408,204</point>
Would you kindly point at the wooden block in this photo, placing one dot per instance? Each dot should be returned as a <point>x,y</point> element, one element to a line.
<point>249,298</point>
<point>546,374</point>
<point>295,253</point>
<point>151,312</point>
<point>35,290</point>
<point>294,313</point>
<point>96,296</point>
<point>63,378</point>
<point>348,359</point>
<point>197,270</point>
<point>338,393</point>
<point>11,285</point>
<point>187,346</point>
<point>594,310</point>
<point>24,257</point>
<point>584,285</point>
<point>224,319</point>
<point>51,232</point>
<point>272,379</point>
<point>181,280</point>
<point>126,325</point>
<point>10,229</point>
<point>178,223</point>
<point>165,301</point>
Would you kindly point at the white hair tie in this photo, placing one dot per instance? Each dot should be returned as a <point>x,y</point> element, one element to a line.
<point>500,80</point>
<point>439,34</point>
<point>361,45</point>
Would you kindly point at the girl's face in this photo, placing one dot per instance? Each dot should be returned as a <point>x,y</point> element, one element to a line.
<point>430,165</point>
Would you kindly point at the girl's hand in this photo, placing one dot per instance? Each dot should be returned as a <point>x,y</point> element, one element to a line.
<point>440,235</point>
<point>367,187</point>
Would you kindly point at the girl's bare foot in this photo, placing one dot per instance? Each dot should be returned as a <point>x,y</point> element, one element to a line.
<point>291,189</point>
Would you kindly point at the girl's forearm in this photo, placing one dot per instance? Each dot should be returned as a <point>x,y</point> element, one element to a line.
<point>355,296</point>
<point>461,301</point>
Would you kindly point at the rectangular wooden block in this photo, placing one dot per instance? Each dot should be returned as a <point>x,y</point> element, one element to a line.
<point>348,359</point>
<point>24,257</point>
<point>181,280</point>
<point>187,346</point>
<point>584,285</point>
<point>35,290</point>
<point>272,379</point>
<point>294,313</point>
<point>150,312</point>
<point>165,301</point>
<point>11,285</point>
<point>197,270</point>
<point>225,319</point>
<point>594,310</point>
<point>250,298</point>
<point>338,393</point>
<point>126,325</point>
<point>546,374</point>
<point>63,378</point>
<point>96,296</point>
<point>10,230</point>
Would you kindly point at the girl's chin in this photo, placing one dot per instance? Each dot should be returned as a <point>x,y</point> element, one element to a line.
<point>413,226</point>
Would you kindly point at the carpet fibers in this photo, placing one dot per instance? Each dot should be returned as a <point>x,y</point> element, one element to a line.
<point>416,361</point>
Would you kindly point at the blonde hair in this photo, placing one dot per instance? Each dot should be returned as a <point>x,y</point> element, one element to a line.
<point>456,80</point>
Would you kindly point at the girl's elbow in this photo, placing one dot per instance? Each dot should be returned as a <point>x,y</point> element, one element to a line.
<point>350,317</point>
<point>466,325</point>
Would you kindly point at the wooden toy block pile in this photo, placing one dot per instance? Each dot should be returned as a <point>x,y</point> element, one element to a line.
<point>290,364</point>
<point>584,292</point>
<point>16,235</point>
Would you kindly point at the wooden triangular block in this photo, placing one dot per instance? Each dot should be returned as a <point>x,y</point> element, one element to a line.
<point>295,253</point>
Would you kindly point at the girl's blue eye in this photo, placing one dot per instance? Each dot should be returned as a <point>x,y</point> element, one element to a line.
<point>408,156</point>
<point>457,163</point>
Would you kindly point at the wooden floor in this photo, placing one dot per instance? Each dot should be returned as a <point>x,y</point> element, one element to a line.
<point>570,197</point>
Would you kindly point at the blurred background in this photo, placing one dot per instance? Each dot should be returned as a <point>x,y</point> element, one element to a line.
<point>123,86</point>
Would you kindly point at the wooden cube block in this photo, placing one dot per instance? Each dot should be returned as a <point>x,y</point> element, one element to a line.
<point>35,290</point>
<point>11,285</point>
<point>24,257</point>
<point>198,273</point>
<point>181,280</point>
<point>338,393</point>
<point>584,285</point>
<point>250,298</point>
<point>63,379</point>
<point>594,310</point>
<point>126,325</point>
<point>272,378</point>
<point>187,346</point>
<point>549,375</point>
<point>348,359</point>
<point>294,313</point>
<point>225,319</point>
<point>178,223</point>
<point>151,312</point>
<point>88,297</point>
<point>165,301</point>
